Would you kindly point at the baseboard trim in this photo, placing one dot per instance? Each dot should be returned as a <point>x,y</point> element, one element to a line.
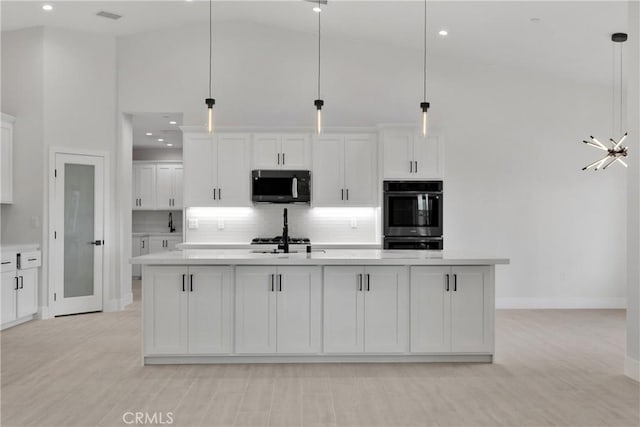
<point>632,368</point>
<point>43,313</point>
<point>111,305</point>
<point>126,300</point>
<point>542,303</point>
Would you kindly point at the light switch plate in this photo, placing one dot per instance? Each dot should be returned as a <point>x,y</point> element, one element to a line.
<point>354,222</point>
<point>193,223</point>
<point>220,224</point>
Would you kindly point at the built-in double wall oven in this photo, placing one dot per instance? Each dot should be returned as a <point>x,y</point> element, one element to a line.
<point>413,215</point>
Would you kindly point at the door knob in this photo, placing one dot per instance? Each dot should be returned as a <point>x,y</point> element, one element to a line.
<point>97,242</point>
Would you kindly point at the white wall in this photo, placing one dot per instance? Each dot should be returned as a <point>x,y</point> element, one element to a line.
<point>22,97</point>
<point>632,361</point>
<point>513,182</point>
<point>61,86</point>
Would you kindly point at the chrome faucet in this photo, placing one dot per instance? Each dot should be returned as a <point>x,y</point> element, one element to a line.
<point>171,227</point>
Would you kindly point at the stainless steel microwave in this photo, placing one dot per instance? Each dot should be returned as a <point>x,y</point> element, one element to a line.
<point>281,186</point>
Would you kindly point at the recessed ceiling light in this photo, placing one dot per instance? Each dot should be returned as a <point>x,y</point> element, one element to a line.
<point>149,134</point>
<point>160,140</point>
<point>47,7</point>
<point>443,32</point>
<point>317,9</point>
<point>172,122</point>
<point>169,145</point>
<point>535,20</point>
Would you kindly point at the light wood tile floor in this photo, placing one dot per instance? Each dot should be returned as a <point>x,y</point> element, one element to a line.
<point>553,367</point>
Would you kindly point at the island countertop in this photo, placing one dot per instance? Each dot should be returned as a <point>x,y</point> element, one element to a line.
<point>317,257</point>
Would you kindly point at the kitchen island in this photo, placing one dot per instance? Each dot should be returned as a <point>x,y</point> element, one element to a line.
<point>364,305</point>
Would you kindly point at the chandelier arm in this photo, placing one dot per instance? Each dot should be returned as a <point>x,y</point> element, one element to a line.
<point>612,161</point>
<point>595,146</point>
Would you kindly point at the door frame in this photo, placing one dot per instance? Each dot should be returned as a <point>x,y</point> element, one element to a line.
<point>106,259</point>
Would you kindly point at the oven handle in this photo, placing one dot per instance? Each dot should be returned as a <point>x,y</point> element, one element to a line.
<point>404,193</point>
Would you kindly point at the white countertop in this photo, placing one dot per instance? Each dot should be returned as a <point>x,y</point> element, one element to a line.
<point>20,247</point>
<point>325,257</point>
<point>157,233</point>
<point>248,245</point>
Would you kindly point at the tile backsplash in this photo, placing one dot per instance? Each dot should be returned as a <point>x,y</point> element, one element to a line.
<point>155,221</point>
<point>321,225</point>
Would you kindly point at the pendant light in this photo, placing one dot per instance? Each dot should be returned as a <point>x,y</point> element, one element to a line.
<point>617,151</point>
<point>210,102</point>
<point>424,105</point>
<point>319,102</point>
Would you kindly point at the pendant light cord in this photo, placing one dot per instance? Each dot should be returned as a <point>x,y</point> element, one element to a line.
<point>425,51</point>
<point>319,14</point>
<point>210,45</point>
<point>621,91</point>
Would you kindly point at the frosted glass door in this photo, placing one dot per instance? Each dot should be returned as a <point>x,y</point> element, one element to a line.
<point>79,234</point>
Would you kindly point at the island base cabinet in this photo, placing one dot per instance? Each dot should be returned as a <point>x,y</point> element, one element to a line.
<point>278,310</point>
<point>366,310</point>
<point>187,310</point>
<point>452,309</point>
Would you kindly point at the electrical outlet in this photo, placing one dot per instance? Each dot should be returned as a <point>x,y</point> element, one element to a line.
<point>354,222</point>
<point>193,223</point>
<point>220,224</point>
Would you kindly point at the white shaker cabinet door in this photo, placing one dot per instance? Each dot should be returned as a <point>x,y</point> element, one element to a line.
<point>234,174</point>
<point>266,151</point>
<point>199,156</point>
<point>360,170</point>
<point>164,186</point>
<point>8,295</point>
<point>27,292</point>
<point>386,302</point>
<point>178,172</point>
<point>6,163</point>
<point>294,152</point>
<point>397,154</point>
<point>471,310</point>
<point>144,186</point>
<point>210,310</point>
<point>328,171</point>
<point>255,310</point>
<point>427,153</point>
<point>165,310</point>
<point>343,310</point>
<point>298,309</point>
<point>431,309</point>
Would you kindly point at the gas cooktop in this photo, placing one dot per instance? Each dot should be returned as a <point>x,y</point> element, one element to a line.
<point>278,240</point>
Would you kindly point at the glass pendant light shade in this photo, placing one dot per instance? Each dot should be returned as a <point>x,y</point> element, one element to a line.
<point>318,103</point>
<point>210,124</point>
<point>424,106</point>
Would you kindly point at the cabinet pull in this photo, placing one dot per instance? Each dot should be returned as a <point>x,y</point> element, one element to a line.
<point>416,168</point>
<point>410,166</point>
<point>342,194</point>
<point>214,194</point>
<point>191,282</point>
<point>183,277</point>
<point>347,194</point>
<point>279,282</point>
<point>360,282</point>
<point>455,283</point>
<point>17,279</point>
<point>278,158</point>
<point>272,280</point>
<point>219,193</point>
<point>447,286</point>
<point>368,283</point>
<point>142,244</point>
<point>21,282</point>
<point>6,262</point>
<point>283,162</point>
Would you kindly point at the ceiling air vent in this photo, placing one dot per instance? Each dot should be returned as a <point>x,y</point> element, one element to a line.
<point>109,15</point>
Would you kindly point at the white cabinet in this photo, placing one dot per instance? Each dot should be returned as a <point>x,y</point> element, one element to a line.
<point>452,309</point>
<point>280,151</point>
<point>6,159</point>
<point>19,288</point>
<point>144,186</point>
<point>168,186</point>
<point>163,243</point>
<point>366,309</point>
<point>407,155</point>
<point>139,246</point>
<point>278,310</point>
<point>216,170</point>
<point>345,170</point>
<point>188,310</point>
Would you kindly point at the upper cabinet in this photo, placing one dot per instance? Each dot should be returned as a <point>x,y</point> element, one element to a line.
<point>281,151</point>
<point>216,169</point>
<point>144,186</point>
<point>407,155</point>
<point>345,170</point>
<point>168,186</point>
<point>6,159</point>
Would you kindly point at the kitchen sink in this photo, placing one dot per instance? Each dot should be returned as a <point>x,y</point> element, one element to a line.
<point>281,252</point>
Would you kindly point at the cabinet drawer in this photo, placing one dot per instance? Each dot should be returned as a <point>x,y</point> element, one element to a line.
<point>32,259</point>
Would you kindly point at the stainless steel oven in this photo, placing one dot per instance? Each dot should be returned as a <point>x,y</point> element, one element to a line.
<point>431,243</point>
<point>413,209</point>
